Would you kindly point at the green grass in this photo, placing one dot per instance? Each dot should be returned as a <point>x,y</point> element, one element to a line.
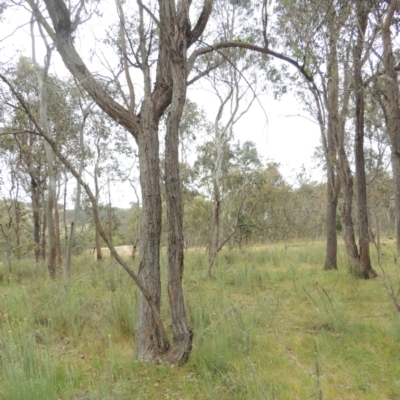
<point>271,324</point>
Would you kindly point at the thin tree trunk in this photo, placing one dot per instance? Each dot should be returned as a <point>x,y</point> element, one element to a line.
<point>99,255</point>
<point>58,239</point>
<point>36,218</point>
<point>77,205</point>
<point>365,258</point>
<point>43,238</point>
<point>333,190</point>
<point>395,160</point>
<point>51,191</point>
<point>392,112</point>
<point>65,213</point>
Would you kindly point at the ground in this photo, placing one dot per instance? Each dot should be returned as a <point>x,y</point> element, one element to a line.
<point>271,324</point>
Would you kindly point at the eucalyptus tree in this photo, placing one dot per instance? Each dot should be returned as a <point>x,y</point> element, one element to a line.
<point>321,39</point>
<point>386,87</point>
<point>360,53</point>
<point>42,75</point>
<point>162,40</point>
<point>232,106</point>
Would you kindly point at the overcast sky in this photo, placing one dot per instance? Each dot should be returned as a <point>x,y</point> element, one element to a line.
<point>280,134</point>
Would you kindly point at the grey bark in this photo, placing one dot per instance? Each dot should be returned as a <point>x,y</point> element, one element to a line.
<point>151,340</point>
<point>366,269</point>
<point>392,106</point>
<point>51,191</point>
<point>71,240</point>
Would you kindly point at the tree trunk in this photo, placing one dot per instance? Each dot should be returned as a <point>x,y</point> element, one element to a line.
<point>71,240</point>
<point>65,212</point>
<point>43,238</point>
<point>333,190</point>
<point>99,255</point>
<point>395,159</point>
<point>366,269</point>
<point>182,341</point>
<point>346,177</point>
<point>392,113</point>
<point>36,217</point>
<point>336,125</point>
<point>149,341</point>
<point>58,239</point>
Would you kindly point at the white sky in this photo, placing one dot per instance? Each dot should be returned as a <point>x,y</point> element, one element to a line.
<point>285,138</point>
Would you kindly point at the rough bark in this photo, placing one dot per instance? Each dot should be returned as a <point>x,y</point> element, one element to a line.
<point>151,340</point>
<point>392,106</point>
<point>333,190</point>
<point>366,269</point>
<point>336,143</point>
<point>182,332</point>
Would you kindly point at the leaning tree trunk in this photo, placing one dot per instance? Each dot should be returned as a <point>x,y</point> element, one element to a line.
<point>366,269</point>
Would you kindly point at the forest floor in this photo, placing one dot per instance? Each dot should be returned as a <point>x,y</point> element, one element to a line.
<point>271,324</point>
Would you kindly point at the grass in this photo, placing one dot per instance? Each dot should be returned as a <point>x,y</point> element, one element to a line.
<point>271,324</point>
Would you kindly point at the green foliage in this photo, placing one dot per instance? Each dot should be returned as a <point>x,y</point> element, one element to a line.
<point>256,326</point>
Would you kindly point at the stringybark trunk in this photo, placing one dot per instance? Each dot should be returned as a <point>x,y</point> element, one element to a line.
<point>183,335</point>
<point>149,341</point>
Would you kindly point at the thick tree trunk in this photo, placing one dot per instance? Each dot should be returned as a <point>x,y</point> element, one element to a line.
<point>149,341</point>
<point>182,341</point>
<point>366,269</point>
